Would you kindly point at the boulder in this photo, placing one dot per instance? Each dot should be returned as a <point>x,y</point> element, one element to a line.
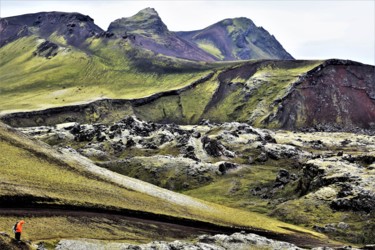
<point>282,178</point>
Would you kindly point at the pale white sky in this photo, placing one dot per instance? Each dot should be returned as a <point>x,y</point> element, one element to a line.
<point>308,29</point>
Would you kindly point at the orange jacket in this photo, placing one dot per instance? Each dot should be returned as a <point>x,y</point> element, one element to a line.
<point>19,226</point>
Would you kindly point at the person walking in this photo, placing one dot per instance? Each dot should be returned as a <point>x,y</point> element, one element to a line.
<point>18,230</point>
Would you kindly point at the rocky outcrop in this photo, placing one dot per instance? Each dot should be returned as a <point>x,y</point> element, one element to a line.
<point>214,148</point>
<point>351,183</point>
<point>204,242</point>
<point>46,49</point>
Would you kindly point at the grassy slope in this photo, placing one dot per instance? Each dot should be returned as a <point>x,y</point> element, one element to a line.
<point>106,70</point>
<point>114,69</point>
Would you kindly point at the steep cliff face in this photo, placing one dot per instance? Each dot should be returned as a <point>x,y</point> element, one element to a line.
<point>337,95</point>
<point>237,39</point>
<point>75,28</point>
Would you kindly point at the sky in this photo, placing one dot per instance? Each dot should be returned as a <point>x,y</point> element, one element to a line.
<point>307,29</point>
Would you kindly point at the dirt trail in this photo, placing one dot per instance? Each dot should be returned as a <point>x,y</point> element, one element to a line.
<point>175,226</point>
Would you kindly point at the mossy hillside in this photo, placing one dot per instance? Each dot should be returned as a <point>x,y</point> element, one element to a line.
<point>227,108</point>
<point>252,99</point>
<point>27,166</point>
<point>210,47</point>
<point>113,68</point>
<point>186,108</point>
<point>108,69</point>
<point>22,170</point>
<point>312,211</point>
<point>235,188</point>
<point>194,101</point>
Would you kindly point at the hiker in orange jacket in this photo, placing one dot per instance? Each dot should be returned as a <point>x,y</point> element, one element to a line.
<point>18,230</point>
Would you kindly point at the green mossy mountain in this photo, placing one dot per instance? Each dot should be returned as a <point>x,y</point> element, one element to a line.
<point>64,60</point>
<point>237,39</point>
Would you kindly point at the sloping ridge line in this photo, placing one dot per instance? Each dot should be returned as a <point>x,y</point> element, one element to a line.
<point>134,102</point>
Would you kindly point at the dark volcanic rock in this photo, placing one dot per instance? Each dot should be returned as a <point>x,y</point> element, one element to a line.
<point>47,49</point>
<point>225,166</point>
<point>364,201</point>
<point>282,178</point>
<point>74,27</point>
<point>338,95</point>
<point>215,148</point>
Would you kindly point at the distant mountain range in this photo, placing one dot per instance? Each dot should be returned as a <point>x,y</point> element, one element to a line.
<point>139,67</point>
<point>230,39</point>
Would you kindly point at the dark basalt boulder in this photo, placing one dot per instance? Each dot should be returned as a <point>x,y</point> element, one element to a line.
<point>225,166</point>
<point>282,178</point>
<point>215,148</point>
<point>46,49</point>
<point>364,201</point>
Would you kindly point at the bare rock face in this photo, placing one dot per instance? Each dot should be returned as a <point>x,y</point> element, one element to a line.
<point>338,95</point>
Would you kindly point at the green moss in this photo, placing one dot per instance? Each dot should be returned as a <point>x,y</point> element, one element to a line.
<point>234,188</point>
<point>72,76</point>
<point>311,212</point>
<point>209,47</point>
<point>194,101</point>
<point>226,108</point>
<point>163,109</point>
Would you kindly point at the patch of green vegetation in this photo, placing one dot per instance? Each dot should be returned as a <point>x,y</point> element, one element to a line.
<point>234,188</point>
<point>227,107</point>
<point>164,109</point>
<point>55,38</point>
<point>111,69</point>
<point>194,101</point>
<point>210,47</point>
<point>309,212</point>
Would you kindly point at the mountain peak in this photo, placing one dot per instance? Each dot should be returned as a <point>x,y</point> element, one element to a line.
<point>237,39</point>
<point>146,21</point>
<point>148,11</point>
